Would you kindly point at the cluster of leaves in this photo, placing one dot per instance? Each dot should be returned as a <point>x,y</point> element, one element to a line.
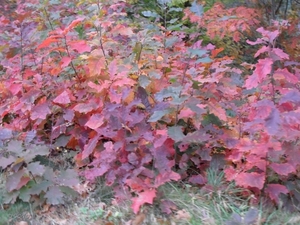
<point>144,106</point>
<point>30,175</point>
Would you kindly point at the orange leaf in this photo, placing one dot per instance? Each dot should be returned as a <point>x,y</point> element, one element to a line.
<point>144,197</point>
<point>215,52</point>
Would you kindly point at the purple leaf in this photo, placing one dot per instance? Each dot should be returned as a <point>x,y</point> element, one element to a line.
<point>89,147</point>
<point>40,111</point>
<point>5,133</point>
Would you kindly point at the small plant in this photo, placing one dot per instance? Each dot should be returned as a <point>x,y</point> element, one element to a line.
<point>28,175</point>
<point>92,214</point>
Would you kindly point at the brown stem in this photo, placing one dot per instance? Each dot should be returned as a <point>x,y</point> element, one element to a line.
<point>52,28</point>
<point>72,65</point>
<point>99,31</point>
<point>22,52</point>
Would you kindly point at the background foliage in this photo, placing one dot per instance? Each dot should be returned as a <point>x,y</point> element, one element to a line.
<point>145,94</point>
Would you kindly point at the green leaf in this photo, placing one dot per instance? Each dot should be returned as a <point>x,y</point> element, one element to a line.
<point>37,188</point>
<point>25,192</point>
<point>54,196</point>
<point>144,81</point>
<point>171,41</point>
<point>69,191</point>
<point>230,113</point>
<point>175,27</point>
<point>157,115</point>
<point>172,92</point>
<point>176,133</point>
<point>211,118</point>
<point>204,60</point>
<point>197,52</point>
<point>150,14</point>
<point>197,8</point>
<point>36,168</point>
<point>175,9</point>
<point>137,50</point>
<point>173,20</point>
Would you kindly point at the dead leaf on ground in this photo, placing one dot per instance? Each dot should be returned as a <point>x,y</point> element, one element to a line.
<point>163,221</point>
<point>182,215</point>
<point>139,219</point>
<point>21,223</point>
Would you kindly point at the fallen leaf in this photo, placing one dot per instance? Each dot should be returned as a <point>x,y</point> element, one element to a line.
<point>21,223</point>
<point>139,219</point>
<point>182,215</point>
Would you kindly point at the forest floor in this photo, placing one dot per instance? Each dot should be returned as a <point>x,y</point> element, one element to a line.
<point>186,205</point>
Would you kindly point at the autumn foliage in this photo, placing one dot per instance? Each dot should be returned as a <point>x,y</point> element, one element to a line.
<point>148,103</point>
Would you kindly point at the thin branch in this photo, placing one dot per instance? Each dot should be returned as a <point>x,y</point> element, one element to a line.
<point>286,8</point>
<point>22,52</point>
<point>99,31</point>
<point>183,78</point>
<point>72,65</point>
<point>52,28</point>
<point>278,7</point>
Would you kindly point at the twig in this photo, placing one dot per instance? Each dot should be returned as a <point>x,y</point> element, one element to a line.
<point>72,65</point>
<point>99,31</point>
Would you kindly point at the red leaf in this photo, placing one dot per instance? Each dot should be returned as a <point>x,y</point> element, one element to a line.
<point>86,107</point>
<point>16,180</point>
<point>144,197</point>
<point>270,35</point>
<point>263,68</point>
<point>273,121</point>
<point>123,30</point>
<point>93,173</point>
<point>252,82</point>
<point>24,180</point>
<point>166,177</point>
<point>49,40</point>
<point>63,98</point>
<point>263,49</point>
<point>250,180</point>
<point>95,121</point>
<point>113,69</point>
<point>284,74</point>
<point>274,190</point>
<point>282,168</point>
<point>40,111</point>
<point>79,46</point>
<point>65,61</point>
<point>215,52</point>
<point>278,54</point>
<point>96,62</point>
<point>89,148</point>
<point>72,25</point>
